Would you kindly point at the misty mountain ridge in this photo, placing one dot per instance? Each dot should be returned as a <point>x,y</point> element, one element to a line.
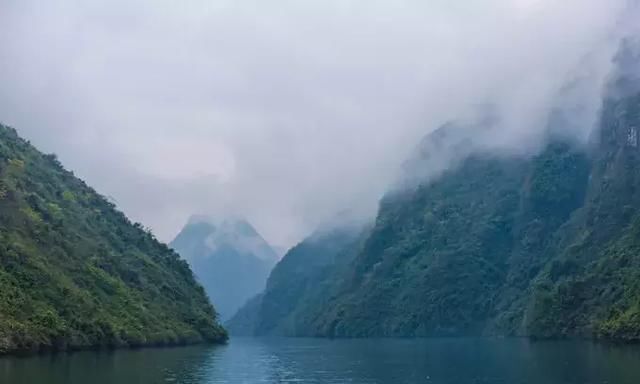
<point>228,256</point>
<point>301,282</point>
<point>232,232</point>
<point>447,147</point>
<point>542,244</point>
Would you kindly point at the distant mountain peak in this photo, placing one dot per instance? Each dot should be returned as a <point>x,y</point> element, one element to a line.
<point>214,220</point>
<point>229,257</point>
<point>228,232</point>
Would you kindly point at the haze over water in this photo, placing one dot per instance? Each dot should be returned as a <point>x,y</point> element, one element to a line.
<point>393,361</point>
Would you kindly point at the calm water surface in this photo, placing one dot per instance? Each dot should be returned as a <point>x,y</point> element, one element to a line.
<point>432,361</point>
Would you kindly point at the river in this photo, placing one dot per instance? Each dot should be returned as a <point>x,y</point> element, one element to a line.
<point>393,361</point>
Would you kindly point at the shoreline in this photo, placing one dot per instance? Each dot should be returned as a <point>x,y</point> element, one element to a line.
<point>50,351</point>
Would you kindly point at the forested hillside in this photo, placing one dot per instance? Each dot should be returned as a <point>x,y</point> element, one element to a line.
<point>592,285</point>
<point>76,273</point>
<point>456,257</point>
<point>300,285</point>
<point>542,247</point>
<point>500,244</point>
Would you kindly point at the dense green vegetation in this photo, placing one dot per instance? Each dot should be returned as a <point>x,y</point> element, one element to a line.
<point>76,273</point>
<point>455,257</point>
<point>591,287</point>
<point>300,286</point>
<point>545,246</point>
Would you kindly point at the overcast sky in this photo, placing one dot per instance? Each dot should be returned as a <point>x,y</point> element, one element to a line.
<point>284,111</point>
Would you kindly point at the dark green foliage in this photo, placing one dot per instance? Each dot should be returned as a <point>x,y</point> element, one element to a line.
<point>76,273</point>
<point>543,247</point>
<point>300,286</point>
<point>454,256</point>
<point>591,286</point>
<point>546,247</point>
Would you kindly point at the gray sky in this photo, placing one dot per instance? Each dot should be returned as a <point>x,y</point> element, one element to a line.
<point>284,111</point>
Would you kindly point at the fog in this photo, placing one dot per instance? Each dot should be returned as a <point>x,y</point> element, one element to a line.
<point>289,112</point>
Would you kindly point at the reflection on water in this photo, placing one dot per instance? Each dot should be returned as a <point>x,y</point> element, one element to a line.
<point>435,361</point>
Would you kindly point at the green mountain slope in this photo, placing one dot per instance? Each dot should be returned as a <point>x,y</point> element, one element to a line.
<point>592,285</point>
<point>543,246</point>
<point>452,257</point>
<point>299,286</point>
<point>76,273</point>
<point>456,257</point>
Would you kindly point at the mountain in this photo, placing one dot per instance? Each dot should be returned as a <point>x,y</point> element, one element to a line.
<point>590,286</point>
<point>75,273</point>
<point>298,286</point>
<point>541,247</point>
<point>230,259</point>
<point>454,256</point>
<point>434,262</point>
<point>279,250</point>
<point>544,246</point>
